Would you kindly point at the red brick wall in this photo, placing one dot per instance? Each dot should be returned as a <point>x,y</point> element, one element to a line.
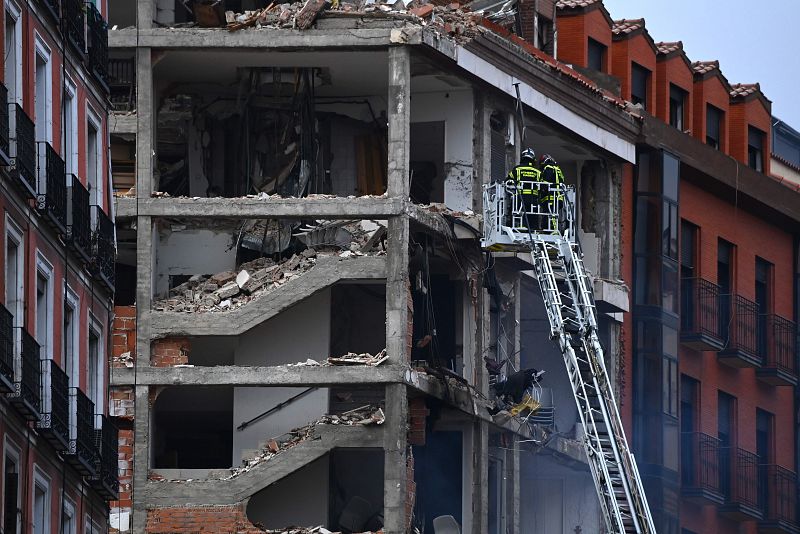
<point>200,520</point>
<point>123,335</point>
<point>634,49</point>
<point>418,413</point>
<point>574,31</point>
<point>710,91</point>
<point>170,351</point>
<point>626,270</point>
<point>749,113</point>
<point>673,71</point>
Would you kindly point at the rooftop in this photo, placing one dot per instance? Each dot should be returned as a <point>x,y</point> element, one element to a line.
<point>744,89</point>
<point>626,26</point>
<point>576,4</point>
<point>703,67</point>
<point>665,47</point>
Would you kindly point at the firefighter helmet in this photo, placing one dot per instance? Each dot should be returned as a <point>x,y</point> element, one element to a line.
<point>528,155</point>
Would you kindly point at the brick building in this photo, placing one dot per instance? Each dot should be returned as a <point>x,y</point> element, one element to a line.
<point>306,314</point>
<point>712,257</point>
<point>58,443</point>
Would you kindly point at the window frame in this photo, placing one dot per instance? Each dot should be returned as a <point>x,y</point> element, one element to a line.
<point>46,270</point>
<point>96,193</point>
<point>73,301</point>
<point>754,151</point>
<point>680,117</point>
<point>69,512</point>
<point>95,327</point>
<point>13,451</point>
<point>598,47</point>
<point>41,480</point>
<point>643,99</point>
<point>41,50</point>
<point>70,149</point>
<point>720,115</point>
<point>14,12</point>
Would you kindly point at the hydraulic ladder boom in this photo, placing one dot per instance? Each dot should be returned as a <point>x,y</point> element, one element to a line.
<point>569,303</point>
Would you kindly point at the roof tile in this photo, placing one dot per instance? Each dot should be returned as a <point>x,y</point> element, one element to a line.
<point>625,26</point>
<point>744,89</point>
<point>702,67</point>
<point>576,4</point>
<point>668,48</point>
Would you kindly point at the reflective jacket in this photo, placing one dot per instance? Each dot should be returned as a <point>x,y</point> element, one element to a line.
<point>525,173</point>
<point>552,174</point>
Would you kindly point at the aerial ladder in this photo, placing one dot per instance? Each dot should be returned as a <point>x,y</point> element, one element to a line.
<point>548,231</point>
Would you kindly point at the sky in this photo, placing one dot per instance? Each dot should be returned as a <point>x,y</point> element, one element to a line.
<point>753,42</point>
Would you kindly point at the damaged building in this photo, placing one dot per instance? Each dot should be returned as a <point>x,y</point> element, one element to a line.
<point>307,328</point>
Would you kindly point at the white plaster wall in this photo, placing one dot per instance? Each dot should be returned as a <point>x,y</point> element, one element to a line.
<point>191,251</point>
<point>783,171</point>
<point>299,499</point>
<point>299,333</point>
<point>455,108</point>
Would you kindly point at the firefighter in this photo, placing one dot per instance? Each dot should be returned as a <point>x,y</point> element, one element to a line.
<point>550,201</point>
<point>527,193</point>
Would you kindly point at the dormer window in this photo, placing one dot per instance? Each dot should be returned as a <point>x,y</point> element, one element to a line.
<point>640,77</point>
<point>677,105</point>
<point>597,54</point>
<point>714,117</point>
<point>755,149</point>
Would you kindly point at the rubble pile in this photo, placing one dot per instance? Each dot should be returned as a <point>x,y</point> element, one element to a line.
<point>351,358</point>
<point>232,289</point>
<point>309,530</point>
<point>364,416</point>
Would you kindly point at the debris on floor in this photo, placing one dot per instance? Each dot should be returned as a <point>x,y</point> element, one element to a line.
<point>367,415</point>
<point>310,530</point>
<point>351,358</point>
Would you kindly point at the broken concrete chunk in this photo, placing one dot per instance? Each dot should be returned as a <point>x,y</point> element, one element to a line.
<point>309,253</point>
<point>211,300</point>
<point>223,277</point>
<point>260,278</point>
<point>231,289</point>
<point>242,278</point>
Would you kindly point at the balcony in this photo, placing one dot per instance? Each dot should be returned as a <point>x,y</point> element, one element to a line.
<point>82,453</point>
<point>122,84</point>
<point>700,476</point>
<point>106,480</point>
<point>777,342</point>
<point>22,150</point>
<point>739,482</point>
<point>6,351</point>
<point>778,500</point>
<point>28,385</point>
<point>97,31</point>
<point>51,200</point>
<point>700,319</point>
<point>5,159</point>
<point>79,237</point>
<point>74,24</point>
<point>739,328</point>
<point>54,422</point>
<point>103,251</point>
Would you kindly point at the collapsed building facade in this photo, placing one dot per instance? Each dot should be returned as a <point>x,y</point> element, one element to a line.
<point>304,310</point>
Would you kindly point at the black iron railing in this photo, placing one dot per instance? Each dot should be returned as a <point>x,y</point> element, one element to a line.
<point>79,235</point>
<point>739,476</point>
<point>700,319</point>
<point>106,481</point>
<point>54,422</point>
<point>103,252</point>
<point>82,452</point>
<point>122,83</point>
<point>51,199</point>
<point>22,149</point>
<point>28,384</point>
<point>700,467</point>
<point>739,325</point>
<point>75,24</point>
<point>6,350</point>
<point>4,127</point>
<point>777,342</point>
<point>97,32</point>
<point>778,494</point>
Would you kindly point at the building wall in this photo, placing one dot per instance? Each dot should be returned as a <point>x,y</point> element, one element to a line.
<point>710,91</point>
<point>635,49</point>
<point>673,71</point>
<point>574,31</point>
<point>750,112</point>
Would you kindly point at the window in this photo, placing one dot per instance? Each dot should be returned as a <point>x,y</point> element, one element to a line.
<point>764,300</point>
<point>13,53</point>
<point>69,138</point>
<point>15,281</point>
<point>91,526</point>
<point>765,428</point>
<point>689,234</point>
<point>94,379</point>
<point>690,393</point>
<point>725,256</point>
<point>94,160</point>
<point>41,504</point>
<point>677,102</point>
<point>544,33</point>
<point>12,496</point>
<point>669,390</point>
<point>755,148</point>
<point>496,495</point>
<point>596,55</point>
<point>71,336</point>
<point>714,118</point>
<point>69,520</point>
<point>44,306</point>
<point>43,92</point>
<point>640,79</point>
<point>726,433</point>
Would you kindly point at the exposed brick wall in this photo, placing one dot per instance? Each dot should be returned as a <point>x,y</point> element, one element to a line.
<point>410,321</point>
<point>170,351</point>
<point>626,271</point>
<point>710,91</point>
<point>122,398</point>
<point>674,71</point>
<point>745,113</point>
<point>125,462</point>
<point>574,31</point>
<point>417,413</point>
<point>636,49</point>
<point>200,520</point>
<point>123,336</point>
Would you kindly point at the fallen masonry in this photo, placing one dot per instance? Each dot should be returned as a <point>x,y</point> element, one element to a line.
<point>310,530</point>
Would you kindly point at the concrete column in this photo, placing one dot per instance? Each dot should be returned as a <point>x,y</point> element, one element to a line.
<point>399,111</point>
<point>481,149</point>
<point>141,456</point>
<point>145,253</point>
<point>144,123</point>
<point>480,477</point>
<point>145,13</point>
<point>397,325</point>
<point>394,467</point>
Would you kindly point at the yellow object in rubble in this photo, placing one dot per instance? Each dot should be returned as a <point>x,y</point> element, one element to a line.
<point>528,403</point>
